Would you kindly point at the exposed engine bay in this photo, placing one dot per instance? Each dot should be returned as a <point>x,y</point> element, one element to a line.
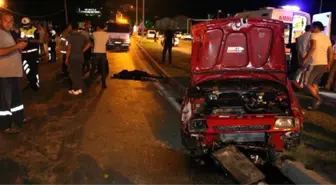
<point>239,97</point>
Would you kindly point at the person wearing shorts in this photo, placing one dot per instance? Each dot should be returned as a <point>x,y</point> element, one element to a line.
<point>321,56</point>
<point>331,85</point>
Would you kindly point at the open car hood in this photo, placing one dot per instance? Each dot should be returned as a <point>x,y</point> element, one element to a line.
<point>238,48</point>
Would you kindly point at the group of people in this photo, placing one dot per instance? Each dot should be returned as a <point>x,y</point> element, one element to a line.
<point>82,52</point>
<point>315,58</point>
<point>21,52</point>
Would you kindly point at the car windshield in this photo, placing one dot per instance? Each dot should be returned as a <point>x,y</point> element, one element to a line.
<point>119,28</point>
<point>152,32</point>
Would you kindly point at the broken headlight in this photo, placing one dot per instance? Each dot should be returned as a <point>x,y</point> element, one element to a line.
<point>198,125</point>
<point>285,123</point>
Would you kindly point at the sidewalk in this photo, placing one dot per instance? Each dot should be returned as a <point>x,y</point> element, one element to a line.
<point>318,152</point>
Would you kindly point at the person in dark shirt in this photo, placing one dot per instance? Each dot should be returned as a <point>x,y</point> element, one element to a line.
<point>168,45</point>
<point>77,46</point>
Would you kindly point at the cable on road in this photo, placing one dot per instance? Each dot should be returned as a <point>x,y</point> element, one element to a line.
<point>33,16</point>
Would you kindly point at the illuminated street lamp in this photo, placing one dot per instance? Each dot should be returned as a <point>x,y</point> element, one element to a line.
<point>2,4</point>
<point>218,12</point>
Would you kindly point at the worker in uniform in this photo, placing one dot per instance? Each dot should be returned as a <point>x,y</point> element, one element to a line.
<point>64,45</point>
<point>52,44</point>
<point>30,55</point>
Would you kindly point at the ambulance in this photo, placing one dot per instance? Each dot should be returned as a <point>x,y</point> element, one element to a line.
<point>295,21</point>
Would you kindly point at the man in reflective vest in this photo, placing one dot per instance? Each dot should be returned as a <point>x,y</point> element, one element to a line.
<point>30,55</point>
<point>52,44</point>
<point>63,46</point>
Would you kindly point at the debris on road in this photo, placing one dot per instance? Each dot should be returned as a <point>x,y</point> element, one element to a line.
<point>136,75</point>
<point>238,165</point>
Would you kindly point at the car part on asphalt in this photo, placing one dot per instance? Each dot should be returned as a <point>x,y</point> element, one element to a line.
<point>233,161</point>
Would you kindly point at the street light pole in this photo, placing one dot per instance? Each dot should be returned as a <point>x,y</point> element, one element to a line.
<point>143,20</point>
<point>136,12</point>
<point>321,4</point>
<point>66,11</point>
<point>2,4</point>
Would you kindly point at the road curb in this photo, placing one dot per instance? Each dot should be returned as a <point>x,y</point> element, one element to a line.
<point>179,88</point>
<point>295,171</point>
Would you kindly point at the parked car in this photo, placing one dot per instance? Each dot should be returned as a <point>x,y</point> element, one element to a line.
<point>178,34</point>
<point>186,36</point>
<point>239,93</point>
<point>151,34</point>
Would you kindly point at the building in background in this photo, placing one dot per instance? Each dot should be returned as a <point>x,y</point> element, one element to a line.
<point>181,22</point>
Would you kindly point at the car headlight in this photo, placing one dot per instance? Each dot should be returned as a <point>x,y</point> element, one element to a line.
<point>285,123</point>
<point>127,41</point>
<point>197,125</point>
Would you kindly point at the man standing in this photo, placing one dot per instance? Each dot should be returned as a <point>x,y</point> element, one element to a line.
<point>64,45</point>
<point>87,54</point>
<point>100,39</point>
<point>52,44</point>
<point>11,71</point>
<point>77,46</point>
<point>167,45</point>
<point>320,49</point>
<point>303,46</point>
<point>331,85</point>
<point>42,37</point>
<point>30,53</point>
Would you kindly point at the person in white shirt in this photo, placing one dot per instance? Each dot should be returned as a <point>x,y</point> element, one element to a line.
<point>100,39</point>
<point>321,58</point>
<point>331,79</point>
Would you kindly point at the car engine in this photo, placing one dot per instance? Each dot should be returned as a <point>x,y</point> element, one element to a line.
<point>240,99</point>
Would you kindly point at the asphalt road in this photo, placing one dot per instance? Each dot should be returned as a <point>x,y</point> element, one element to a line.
<point>134,132</point>
<point>184,47</point>
<point>126,134</point>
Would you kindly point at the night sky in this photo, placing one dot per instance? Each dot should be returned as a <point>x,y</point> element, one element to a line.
<point>160,8</point>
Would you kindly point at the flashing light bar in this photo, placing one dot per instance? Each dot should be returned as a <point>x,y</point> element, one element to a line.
<point>291,7</point>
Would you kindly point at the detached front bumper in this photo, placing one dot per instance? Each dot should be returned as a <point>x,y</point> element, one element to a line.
<point>199,144</point>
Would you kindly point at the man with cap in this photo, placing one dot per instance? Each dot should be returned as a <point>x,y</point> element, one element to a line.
<point>30,55</point>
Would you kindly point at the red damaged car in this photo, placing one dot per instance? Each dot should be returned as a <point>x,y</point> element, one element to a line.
<point>240,94</point>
